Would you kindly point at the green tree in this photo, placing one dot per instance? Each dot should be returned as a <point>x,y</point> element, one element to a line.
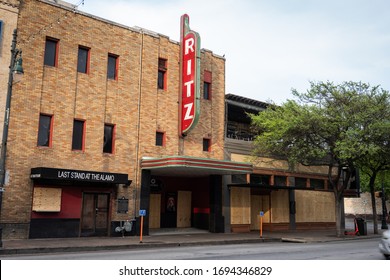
<point>377,160</point>
<point>383,177</point>
<point>327,125</point>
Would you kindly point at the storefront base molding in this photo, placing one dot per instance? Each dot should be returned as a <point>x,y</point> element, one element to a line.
<point>15,230</point>
<point>54,228</point>
<point>240,228</point>
<point>299,226</point>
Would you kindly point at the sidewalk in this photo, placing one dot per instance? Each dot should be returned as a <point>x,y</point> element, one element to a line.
<point>171,239</point>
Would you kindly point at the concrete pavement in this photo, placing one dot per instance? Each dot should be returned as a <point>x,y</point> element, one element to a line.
<point>185,237</point>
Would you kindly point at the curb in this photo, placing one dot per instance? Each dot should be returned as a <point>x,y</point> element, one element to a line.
<point>294,240</point>
<point>46,250</point>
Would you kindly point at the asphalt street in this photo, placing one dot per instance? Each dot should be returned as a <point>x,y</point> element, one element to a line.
<point>362,249</point>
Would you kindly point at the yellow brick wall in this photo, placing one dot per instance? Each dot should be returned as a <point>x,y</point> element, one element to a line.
<point>67,94</point>
<point>8,15</point>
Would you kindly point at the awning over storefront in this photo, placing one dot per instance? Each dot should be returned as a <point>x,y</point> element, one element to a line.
<point>185,166</point>
<point>56,174</point>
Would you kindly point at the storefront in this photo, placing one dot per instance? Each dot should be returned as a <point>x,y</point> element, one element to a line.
<point>72,203</point>
<point>186,191</point>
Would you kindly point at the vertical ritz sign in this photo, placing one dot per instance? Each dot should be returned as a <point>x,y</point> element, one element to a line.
<point>189,77</point>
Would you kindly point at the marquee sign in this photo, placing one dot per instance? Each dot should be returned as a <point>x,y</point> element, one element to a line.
<point>78,175</point>
<point>189,77</point>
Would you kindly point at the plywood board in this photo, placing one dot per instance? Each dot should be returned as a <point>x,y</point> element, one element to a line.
<point>155,210</point>
<point>314,206</point>
<point>266,208</point>
<point>259,203</point>
<point>47,199</point>
<point>256,207</point>
<point>280,206</point>
<point>240,205</point>
<point>183,209</point>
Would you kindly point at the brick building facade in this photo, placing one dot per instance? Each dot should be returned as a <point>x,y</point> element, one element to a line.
<point>8,21</point>
<point>93,135</point>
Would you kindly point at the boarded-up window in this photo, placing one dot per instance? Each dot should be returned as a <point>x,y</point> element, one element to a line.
<point>47,199</point>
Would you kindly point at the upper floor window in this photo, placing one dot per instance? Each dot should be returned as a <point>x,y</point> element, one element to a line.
<point>160,138</point>
<point>239,130</point>
<point>206,145</point>
<point>1,34</point>
<point>317,184</point>
<point>51,52</point>
<point>112,67</point>
<point>78,135</point>
<point>207,85</point>
<point>162,72</point>
<point>260,179</point>
<point>45,130</point>
<point>280,181</point>
<point>109,138</point>
<point>300,182</point>
<point>83,60</point>
<point>239,179</point>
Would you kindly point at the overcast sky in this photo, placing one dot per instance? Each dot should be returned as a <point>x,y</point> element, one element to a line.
<point>272,46</point>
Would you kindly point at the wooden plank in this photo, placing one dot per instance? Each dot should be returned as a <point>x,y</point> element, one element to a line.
<point>256,207</point>
<point>240,205</point>
<point>266,208</point>
<point>155,210</point>
<point>183,209</point>
<point>314,206</point>
<point>259,203</point>
<point>280,206</point>
<point>47,199</point>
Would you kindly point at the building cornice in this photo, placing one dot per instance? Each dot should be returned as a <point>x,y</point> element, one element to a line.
<point>11,3</point>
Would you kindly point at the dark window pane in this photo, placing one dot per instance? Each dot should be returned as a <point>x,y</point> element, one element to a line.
<point>260,179</point>
<point>280,181</point>
<point>50,52</point>
<point>300,182</point>
<point>206,90</point>
<point>78,135</point>
<point>159,139</point>
<point>1,32</point>
<point>82,62</point>
<point>44,130</point>
<point>239,179</point>
<point>206,145</point>
<point>160,82</point>
<point>162,64</point>
<point>108,138</point>
<point>111,67</point>
<point>162,69</point>
<point>317,184</point>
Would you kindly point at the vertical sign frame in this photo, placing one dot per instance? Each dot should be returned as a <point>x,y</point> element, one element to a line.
<point>189,108</point>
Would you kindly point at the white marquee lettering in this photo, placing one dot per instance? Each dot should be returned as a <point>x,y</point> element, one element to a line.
<point>189,45</point>
<point>189,68</point>
<point>188,88</point>
<point>63,174</point>
<point>188,108</point>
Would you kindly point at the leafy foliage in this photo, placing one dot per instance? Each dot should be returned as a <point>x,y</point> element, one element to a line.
<point>345,127</point>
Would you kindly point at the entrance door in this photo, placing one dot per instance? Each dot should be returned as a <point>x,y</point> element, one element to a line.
<point>259,203</point>
<point>155,211</point>
<point>183,209</point>
<point>94,220</point>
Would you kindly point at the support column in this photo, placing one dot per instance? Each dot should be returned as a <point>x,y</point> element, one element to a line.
<point>216,223</point>
<point>226,179</point>
<point>292,205</point>
<point>292,208</point>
